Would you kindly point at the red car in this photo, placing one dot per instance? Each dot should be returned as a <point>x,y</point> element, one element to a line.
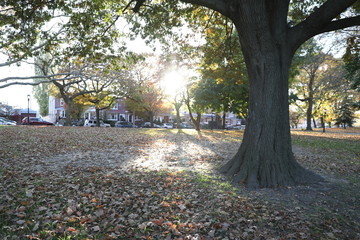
<point>35,121</point>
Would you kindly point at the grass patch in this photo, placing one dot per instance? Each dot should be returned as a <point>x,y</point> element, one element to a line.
<point>323,143</point>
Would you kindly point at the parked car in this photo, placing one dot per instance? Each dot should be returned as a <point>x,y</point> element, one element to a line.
<point>78,123</point>
<point>233,127</point>
<point>36,121</point>
<point>167,125</point>
<point>92,123</point>
<point>124,124</point>
<point>146,125</point>
<point>186,125</point>
<point>5,121</point>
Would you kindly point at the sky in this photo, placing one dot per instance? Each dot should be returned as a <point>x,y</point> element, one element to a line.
<point>16,95</point>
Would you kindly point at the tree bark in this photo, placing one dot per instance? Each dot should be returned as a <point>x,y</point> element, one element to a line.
<point>224,117</point>
<point>97,112</point>
<point>196,121</point>
<point>178,119</point>
<point>265,157</point>
<point>68,109</point>
<point>151,118</point>
<point>310,101</point>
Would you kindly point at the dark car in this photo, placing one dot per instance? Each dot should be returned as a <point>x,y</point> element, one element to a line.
<point>5,121</point>
<point>36,121</point>
<point>124,124</point>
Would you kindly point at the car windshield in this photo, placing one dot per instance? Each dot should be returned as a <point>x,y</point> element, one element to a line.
<point>36,119</point>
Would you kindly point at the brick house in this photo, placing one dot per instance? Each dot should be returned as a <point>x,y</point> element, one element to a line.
<point>116,113</point>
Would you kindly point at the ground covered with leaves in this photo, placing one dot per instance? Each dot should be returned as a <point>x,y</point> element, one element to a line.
<point>95,183</point>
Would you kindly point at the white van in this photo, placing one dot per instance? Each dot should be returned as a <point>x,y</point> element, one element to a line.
<point>92,123</point>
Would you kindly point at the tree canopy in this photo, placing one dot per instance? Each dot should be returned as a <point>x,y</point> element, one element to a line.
<point>65,29</point>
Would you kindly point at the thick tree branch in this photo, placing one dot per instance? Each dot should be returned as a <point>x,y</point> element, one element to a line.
<point>137,6</point>
<point>341,24</point>
<point>24,83</point>
<point>320,21</point>
<point>217,5</point>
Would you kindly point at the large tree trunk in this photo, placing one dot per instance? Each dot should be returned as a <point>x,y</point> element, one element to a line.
<point>309,108</point>
<point>265,157</point>
<point>97,112</point>
<point>178,118</point>
<point>314,122</point>
<point>151,118</point>
<point>196,121</point>
<point>224,117</point>
<point>68,110</point>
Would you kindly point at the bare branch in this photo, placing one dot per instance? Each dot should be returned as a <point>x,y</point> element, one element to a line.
<point>34,83</point>
<point>44,76</point>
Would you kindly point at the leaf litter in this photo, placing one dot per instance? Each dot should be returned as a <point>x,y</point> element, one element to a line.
<point>78,183</point>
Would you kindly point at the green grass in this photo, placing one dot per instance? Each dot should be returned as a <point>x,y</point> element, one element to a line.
<point>339,145</point>
<point>210,182</point>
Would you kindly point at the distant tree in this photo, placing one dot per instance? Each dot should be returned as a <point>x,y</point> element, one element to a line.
<point>178,103</point>
<point>345,114</point>
<point>352,65</point>
<point>100,100</point>
<point>41,94</point>
<point>195,104</point>
<point>295,118</point>
<point>142,88</point>
<point>77,110</point>
<point>101,94</point>
<point>71,87</point>
<point>222,96</point>
<point>41,91</point>
<point>224,81</point>
<point>310,69</point>
<point>148,98</point>
<point>5,109</point>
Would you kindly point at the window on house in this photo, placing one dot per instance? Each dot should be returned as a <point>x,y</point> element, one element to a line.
<point>116,106</point>
<point>112,116</point>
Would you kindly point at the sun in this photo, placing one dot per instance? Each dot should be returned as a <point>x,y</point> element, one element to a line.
<point>173,83</point>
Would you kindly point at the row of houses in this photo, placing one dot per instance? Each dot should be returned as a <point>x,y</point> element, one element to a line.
<point>116,113</point>
<point>120,112</point>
